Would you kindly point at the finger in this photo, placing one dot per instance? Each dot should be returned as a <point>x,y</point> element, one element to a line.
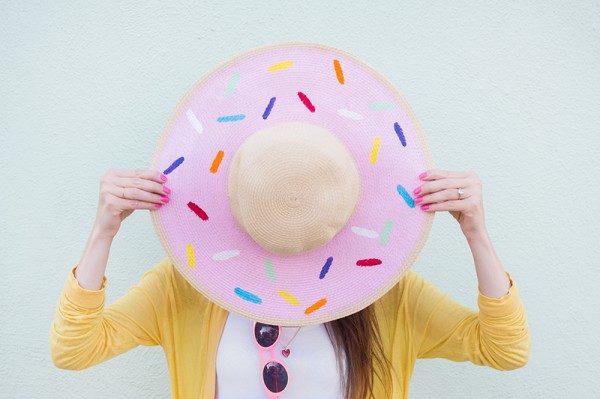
<point>136,194</point>
<point>127,204</point>
<point>142,184</point>
<point>449,194</point>
<point>442,184</point>
<point>434,174</point>
<point>149,174</point>
<point>456,205</point>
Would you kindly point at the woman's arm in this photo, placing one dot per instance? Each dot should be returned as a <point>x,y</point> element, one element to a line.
<point>497,335</point>
<point>439,192</point>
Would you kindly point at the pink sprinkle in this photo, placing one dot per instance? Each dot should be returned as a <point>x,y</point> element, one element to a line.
<point>306,101</point>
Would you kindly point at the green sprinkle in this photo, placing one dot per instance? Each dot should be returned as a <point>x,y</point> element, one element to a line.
<point>270,270</point>
<point>232,85</point>
<point>384,237</point>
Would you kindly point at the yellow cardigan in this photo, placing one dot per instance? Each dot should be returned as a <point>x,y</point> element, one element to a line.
<point>415,318</point>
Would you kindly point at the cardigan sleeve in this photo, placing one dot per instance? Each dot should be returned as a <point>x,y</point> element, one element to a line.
<point>85,332</point>
<point>496,336</point>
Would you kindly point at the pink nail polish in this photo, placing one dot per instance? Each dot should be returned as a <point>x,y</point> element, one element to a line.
<point>418,200</point>
<point>164,198</point>
<point>423,175</point>
<point>166,189</point>
<point>424,207</point>
<point>417,190</point>
<point>163,177</point>
<point>157,205</point>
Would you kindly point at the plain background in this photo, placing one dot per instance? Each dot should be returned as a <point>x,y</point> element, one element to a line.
<point>508,89</point>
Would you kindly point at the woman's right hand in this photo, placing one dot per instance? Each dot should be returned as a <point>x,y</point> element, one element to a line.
<point>122,192</point>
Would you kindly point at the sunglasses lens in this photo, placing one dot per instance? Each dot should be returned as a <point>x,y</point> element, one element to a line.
<point>275,377</point>
<point>265,334</point>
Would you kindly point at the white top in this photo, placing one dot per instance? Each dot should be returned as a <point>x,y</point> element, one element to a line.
<point>311,365</point>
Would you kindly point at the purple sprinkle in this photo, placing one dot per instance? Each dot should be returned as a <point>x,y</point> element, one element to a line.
<point>400,133</point>
<point>325,268</point>
<point>269,108</point>
<point>174,165</point>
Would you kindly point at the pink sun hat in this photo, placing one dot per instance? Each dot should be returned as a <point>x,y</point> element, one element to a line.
<point>291,167</point>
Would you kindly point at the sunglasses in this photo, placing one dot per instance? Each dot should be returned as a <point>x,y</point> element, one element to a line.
<point>275,376</point>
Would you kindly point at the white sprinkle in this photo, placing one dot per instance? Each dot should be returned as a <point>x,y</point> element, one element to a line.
<point>194,121</point>
<point>224,255</point>
<point>350,114</point>
<point>365,232</point>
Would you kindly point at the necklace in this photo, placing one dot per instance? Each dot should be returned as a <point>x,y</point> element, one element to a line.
<point>286,351</point>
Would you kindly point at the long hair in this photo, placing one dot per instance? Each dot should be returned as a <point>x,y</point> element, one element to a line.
<point>357,338</point>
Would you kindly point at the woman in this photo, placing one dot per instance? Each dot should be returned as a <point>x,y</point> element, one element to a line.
<point>375,348</point>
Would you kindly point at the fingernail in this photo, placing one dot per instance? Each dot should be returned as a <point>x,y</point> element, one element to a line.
<point>424,207</point>
<point>418,200</point>
<point>423,175</point>
<point>157,205</point>
<point>166,189</point>
<point>417,190</point>
<point>164,198</point>
<point>163,177</point>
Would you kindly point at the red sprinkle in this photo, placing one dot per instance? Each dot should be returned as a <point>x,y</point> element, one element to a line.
<point>306,101</point>
<point>368,262</point>
<point>197,210</point>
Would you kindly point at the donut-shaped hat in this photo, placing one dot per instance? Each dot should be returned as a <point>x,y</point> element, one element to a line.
<point>290,167</point>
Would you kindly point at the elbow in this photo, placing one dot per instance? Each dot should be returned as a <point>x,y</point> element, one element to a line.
<point>514,356</point>
<point>63,356</point>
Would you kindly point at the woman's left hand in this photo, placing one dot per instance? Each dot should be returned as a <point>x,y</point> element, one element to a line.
<point>439,192</point>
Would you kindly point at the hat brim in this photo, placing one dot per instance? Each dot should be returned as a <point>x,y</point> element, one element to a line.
<point>292,82</point>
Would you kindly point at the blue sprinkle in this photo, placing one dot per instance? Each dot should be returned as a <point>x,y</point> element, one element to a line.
<point>231,118</point>
<point>248,296</point>
<point>400,133</point>
<point>325,268</point>
<point>174,165</point>
<point>407,198</point>
<point>269,108</point>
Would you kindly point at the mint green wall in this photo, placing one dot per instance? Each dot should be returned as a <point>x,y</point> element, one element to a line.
<point>509,89</point>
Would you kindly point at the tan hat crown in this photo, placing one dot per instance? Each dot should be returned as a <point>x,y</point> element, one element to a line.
<point>293,186</point>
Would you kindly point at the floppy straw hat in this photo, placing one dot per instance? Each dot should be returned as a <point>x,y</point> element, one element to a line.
<point>290,167</point>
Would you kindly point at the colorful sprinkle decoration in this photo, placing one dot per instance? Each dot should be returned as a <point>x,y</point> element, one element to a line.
<point>231,118</point>
<point>191,257</point>
<point>326,267</point>
<point>364,232</point>
<point>289,297</point>
<point>400,134</point>
<point>338,71</point>
<point>214,167</point>
<point>375,150</point>
<point>384,237</point>
<point>269,108</point>
<point>173,166</point>
<point>315,306</point>
<point>270,270</point>
<point>194,121</point>
<point>197,210</point>
<point>368,262</point>
<point>248,296</point>
<point>280,66</point>
<point>232,85</point>
<point>406,196</point>
<point>306,101</point>
<point>226,255</point>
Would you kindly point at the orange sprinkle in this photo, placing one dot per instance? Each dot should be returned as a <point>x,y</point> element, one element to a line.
<point>338,71</point>
<point>315,306</point>
<point>217,161</point>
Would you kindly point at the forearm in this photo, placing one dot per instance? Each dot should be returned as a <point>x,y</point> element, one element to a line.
<point>92,265</point>
<point>491,276</point>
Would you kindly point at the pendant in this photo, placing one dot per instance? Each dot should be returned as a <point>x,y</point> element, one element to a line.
<point>285,352</point>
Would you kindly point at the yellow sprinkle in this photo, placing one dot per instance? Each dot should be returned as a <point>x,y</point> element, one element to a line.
<point>375,150</point>
<point>289,297</point>
<point>190,256</point>
<point>280,66</point>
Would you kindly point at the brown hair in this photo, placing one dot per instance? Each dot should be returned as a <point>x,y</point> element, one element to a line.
<point>357,338</point>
